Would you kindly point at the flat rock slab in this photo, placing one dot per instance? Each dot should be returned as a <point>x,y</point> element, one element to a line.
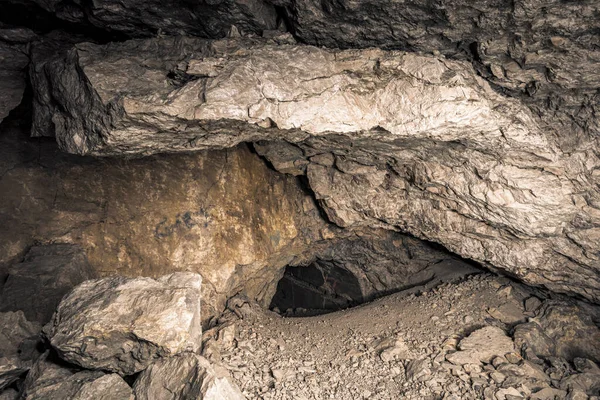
<point>123,325</point>
<point>140,97</point>
<point>185,376</point>
<point>482,346</point>
<point>38,284</point>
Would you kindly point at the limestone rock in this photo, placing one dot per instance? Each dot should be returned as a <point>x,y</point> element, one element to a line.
<point>184,106</point>
<point>560,330</point>
<point>399,140</point>
<point>123,325</point>
<point>49,381</point>
<point>47,273</point>
<point>14,331</point>
<point>185,376</point>
<point>482,346</point>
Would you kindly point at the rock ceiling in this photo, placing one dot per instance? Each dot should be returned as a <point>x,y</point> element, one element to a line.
<point>473,126</point>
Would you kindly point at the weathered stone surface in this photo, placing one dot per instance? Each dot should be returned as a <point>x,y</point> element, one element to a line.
<point>185,376</point>
<point>13,62</point>
<point>14,330</point>
<point>482,346</point>
<point>560,330</point>
<point>546,54</point>
<point>210,213</point>
<point>405,141</point>
<point>49,381</point>
<point>223,214</point>
<point>155,102</point>
<point>47,273</point>
<point>123,325</point>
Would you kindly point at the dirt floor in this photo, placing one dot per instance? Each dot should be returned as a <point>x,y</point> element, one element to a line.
<point>411,345</point>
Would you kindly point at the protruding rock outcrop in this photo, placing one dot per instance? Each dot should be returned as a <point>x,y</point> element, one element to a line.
<point>124,325</point>
<point>400,140</point>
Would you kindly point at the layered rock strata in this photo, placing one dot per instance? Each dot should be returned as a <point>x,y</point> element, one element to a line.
<point>386,138</point>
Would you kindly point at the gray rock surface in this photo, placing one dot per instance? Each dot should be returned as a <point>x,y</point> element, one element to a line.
<point>123,325</point>
<point>185,376</point>
<point>49,381</point>
<point>388,139</point>
<point>37,285</point>
<point>482,346</point>
<point>560,330</point>
<point>13,63</point>
<point>15,330</point>
<point>137,18</point>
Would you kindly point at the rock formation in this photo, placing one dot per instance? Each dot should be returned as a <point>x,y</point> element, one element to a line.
<point>386,138</point>
<point>123,325</point>
<point>185,376</point>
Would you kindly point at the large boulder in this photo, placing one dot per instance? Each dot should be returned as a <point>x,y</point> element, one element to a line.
<point>123,325</point>
<point>185,376</point>
<point>16,334</point>
<point>560,330</point>
<point>51,381</point>
<point>47,273</point>
<point>390,139</point>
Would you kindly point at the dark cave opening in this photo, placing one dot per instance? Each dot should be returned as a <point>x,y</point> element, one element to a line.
<point>319,288</point>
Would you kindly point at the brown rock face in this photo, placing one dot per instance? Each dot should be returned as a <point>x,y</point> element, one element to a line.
<point>386,139</point>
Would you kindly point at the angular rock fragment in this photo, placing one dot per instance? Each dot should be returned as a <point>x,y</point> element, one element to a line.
<point>123,325</point>
<point>14,331</point>
<point>49,381</point>
<point>185,376</point>
<point>47,273</point>
<point>482,346</point>
<point>560,330</point>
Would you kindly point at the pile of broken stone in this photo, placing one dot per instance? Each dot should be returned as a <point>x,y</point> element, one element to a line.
<point>113,338</point>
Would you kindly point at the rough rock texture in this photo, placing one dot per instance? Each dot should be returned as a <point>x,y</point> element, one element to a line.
<point>391,139</point>
<point>137,18</point>
<point>13,63</point>
<point>361,267</point>
<point>14,331</point>
<point>185,376</point>
<point>482,346</point>
<point>50,381</point>
<point>211,213</point>
<point>545,53</point>
<point>123,325</point>
<point>223,214</point>
<point>560,330</point>
<point>47,273</point>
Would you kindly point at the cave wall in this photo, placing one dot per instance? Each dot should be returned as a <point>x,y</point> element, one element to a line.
<point>223,213</point>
